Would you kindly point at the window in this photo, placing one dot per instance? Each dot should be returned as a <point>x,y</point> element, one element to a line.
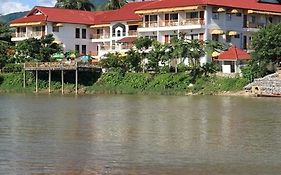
<point>215,37</point>
<point>237,36</point>
<point>56,29</point>
<point>153,18</point>
<point>118,33</point>
<point>84,49</point>
<point>84,33</point>
<point>215,15</point>
<point>194,36</point>
<point>239,14</point>
<point>77,49</point>
<point>77,33</point>
<point>228,16</point>
<point>194,15</point>
<point>253,19</point>
<point>228,38</point>
<point>174,17</point>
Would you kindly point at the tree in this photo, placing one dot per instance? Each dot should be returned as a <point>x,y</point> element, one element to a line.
<point>133,60</point>
<point>75,4</point>
<point>267,52</point>
<point>143,44</point>
<point>6,46</point>
<point>115,4</point>
<point>36,49</point>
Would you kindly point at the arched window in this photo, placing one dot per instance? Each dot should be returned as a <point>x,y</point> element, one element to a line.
<point>118,33</point>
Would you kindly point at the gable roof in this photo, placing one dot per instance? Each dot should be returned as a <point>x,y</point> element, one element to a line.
<point>234,53</point>
<point>51,14</point>
<point>242,4</point>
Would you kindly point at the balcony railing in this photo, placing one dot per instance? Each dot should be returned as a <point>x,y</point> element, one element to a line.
<point>192,21</point>
<point>100,36</point>
<point>183,22</point>
<point>169,23</point>
<point>150,24</point>
<point>133,32</point>
<point>29,34</point>
<point>255,25</point>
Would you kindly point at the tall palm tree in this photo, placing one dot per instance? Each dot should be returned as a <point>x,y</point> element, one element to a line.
<point>75,4</point>
<point>115,4</point>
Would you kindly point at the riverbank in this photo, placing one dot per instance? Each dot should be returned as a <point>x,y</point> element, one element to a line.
<point>130,83</point>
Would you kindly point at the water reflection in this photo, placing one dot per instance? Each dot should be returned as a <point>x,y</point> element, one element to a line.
<point>139,135</point>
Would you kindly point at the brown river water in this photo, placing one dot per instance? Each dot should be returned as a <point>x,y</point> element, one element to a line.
<point>166,135</point>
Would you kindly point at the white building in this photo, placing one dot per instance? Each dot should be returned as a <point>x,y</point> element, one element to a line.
<point>100,32</point>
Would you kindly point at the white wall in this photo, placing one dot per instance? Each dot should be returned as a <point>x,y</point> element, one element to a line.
<point>66,36</point>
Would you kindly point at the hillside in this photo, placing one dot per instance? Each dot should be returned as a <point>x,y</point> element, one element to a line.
<point>9,17</point>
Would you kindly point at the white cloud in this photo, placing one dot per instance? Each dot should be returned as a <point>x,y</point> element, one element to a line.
<point>12,6</point>
<point>46,2</point>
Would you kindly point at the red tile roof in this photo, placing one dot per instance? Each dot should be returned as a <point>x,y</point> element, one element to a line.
<point>234,53</point>
<point>127,40</point>
<point>126,13</point>
<point>242,4</point>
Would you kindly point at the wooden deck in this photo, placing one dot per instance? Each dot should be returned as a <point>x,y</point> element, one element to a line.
<point>45,66</point>
<point>58,66</point>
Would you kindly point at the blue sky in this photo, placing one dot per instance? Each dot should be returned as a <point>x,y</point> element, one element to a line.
<point>9,6</point>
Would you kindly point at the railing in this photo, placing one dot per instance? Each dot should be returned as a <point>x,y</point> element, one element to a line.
<point>100,36</point>
<point>150,24</point>
<point>169,23</point>
<point>255,25</point>
<point>192,21</point>
<point>65,65</point>
<point>30,34</point>
<point>133,32</point>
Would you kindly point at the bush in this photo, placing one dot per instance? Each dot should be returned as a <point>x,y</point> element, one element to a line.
<point>9,68</point>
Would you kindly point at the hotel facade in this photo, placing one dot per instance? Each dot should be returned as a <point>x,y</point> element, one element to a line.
<point>100,32</point>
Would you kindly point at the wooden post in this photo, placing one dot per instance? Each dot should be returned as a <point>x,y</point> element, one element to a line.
<point>50,78</point>
<point>62,77</point>
<point>36,78</point>
<point>76,78</point>
<point>24,76</point>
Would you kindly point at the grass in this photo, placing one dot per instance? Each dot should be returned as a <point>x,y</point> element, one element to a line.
<point>128,83</point>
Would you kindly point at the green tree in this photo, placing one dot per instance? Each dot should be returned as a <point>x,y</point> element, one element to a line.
<point>36,49</point>
<point>115,4</point>
<point>267,52</point>
<point>6,46</point>
<point>133,60</point>
<point>75,4</point>
<point>143,44</point>
<point>113,62</point>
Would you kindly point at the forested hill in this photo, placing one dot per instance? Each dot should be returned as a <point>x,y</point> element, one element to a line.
<point>9,17</point>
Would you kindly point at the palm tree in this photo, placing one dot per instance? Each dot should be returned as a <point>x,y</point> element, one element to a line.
<point>115,4</point>
<point>75,4</point>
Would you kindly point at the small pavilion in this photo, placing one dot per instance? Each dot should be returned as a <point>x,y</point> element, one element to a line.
<point>233,59</point>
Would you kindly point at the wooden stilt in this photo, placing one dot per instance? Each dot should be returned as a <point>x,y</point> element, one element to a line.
<point>36,78</point>
<point>50,78</point>
<point>76,79</point>
<point>24,76</point>
<point>62,80</point>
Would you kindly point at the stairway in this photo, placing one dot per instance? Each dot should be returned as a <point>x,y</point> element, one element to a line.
<point>268,85</point>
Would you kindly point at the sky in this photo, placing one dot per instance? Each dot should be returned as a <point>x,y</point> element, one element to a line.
<point>10,6</point>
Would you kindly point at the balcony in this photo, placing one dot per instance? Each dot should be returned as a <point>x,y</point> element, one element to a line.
<point>150,24</point>
<point>192,21</point>
<point>166,23</point>
<point>133,32</point>
<point>100,36</point>
<point>19,36</point>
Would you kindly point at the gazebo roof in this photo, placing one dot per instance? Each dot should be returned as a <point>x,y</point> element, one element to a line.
<point>234,54</point>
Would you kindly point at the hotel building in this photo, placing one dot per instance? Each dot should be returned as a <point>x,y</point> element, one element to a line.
<point>100,32</point>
